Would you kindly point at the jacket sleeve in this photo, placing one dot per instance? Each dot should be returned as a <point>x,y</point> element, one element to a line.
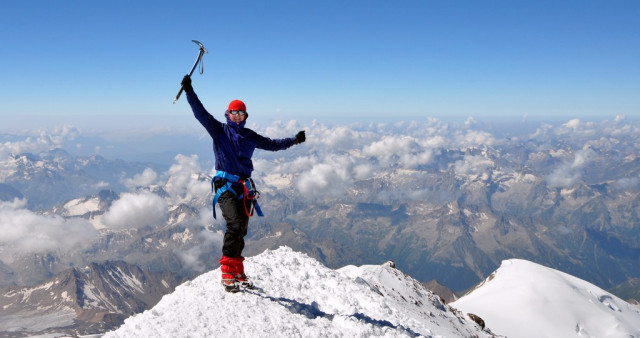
<point>273,144</point>
<point>213,126</point>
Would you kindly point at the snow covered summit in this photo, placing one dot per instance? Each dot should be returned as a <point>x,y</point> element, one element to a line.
<point>296,296</point>
<point>524,299</point>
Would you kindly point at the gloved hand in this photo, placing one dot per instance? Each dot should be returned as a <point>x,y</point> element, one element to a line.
<point>300,137</point>
<point>186,84</point>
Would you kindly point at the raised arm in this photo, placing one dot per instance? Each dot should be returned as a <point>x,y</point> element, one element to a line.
<point>213,126</point>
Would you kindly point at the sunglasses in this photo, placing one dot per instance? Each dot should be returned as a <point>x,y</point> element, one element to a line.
<point>236,112</point>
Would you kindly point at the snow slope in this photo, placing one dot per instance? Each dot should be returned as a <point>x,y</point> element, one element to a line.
<point>524,299</point>
<point>299,297</point>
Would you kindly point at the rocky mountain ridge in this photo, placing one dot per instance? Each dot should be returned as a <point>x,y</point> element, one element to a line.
<point>297,296</point>
<point>83,300</point>
<point>447,226</point>
<point>447,207</point>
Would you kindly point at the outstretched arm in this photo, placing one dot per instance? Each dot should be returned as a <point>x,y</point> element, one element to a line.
<point>279,144</point>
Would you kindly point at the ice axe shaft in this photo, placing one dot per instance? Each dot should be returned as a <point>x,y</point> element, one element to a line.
<point>202,50</point>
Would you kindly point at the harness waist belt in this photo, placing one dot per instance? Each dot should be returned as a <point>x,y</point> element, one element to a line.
<point>249,192</point>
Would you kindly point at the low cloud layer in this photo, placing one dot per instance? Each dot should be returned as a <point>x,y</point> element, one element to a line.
<point>207,242</point>
<point>24,231</point>
<point>135,210</point>
<point>570,172</point>
<point>334,158</point>
<point>333,161</point>
<point>144,179</point>
<point>182,179</point>
<point>40,140</point>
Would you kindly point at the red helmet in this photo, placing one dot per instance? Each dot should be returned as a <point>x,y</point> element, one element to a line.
<point>237,105</point>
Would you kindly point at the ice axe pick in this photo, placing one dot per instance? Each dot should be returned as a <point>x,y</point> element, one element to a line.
<point>201,52</point>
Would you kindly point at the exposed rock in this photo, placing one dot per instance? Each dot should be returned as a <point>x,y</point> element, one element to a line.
<point>83,301</point>
<point>444,292</point>
<point>476,319</point>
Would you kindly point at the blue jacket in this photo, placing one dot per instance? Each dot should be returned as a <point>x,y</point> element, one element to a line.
<point>233,144</point>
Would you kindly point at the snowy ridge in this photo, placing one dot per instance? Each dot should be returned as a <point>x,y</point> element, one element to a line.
<point>299,297</point>
<point>82,206</point>
<point>524,299</point>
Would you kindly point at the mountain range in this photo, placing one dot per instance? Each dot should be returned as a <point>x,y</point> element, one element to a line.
<point>447,207</point>
<point>457,232</point>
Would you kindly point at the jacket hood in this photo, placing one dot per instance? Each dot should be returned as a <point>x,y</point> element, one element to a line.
<point>232,123</point>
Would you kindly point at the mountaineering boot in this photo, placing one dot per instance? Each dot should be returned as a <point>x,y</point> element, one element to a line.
<point>228,270</point>
<point>240,276</point>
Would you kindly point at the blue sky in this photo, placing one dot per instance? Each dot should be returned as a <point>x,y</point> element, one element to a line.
<point>113,62</point>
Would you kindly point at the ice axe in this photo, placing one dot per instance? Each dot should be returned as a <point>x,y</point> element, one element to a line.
<point>201,51</point>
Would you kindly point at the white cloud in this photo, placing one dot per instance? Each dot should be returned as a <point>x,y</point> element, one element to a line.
<point>434,142</point>
<point>290,165</point>
<point>24,231</point>
<point>583,157</point>
<point>101,185</point>
<point>327,179</point>
<point>390,146</point>
<point>576,128</point>
<point>405,151</point>
<point>43,140</point>
<point>628,183</point>
<point>473,165</point>
<point>573,124</point>
<point>470,122</point>
<point>339,138</point>
<point>182,182</point>
<point>570,172</point>
<point>363,171</point>
<point>563,178</point>
<point>144,179</point>
<point>577,132</point>
<point>474,138</point>
<point>280,129</point>
<point>136,210</point>
<point>335,157</point>
<point>207,241</point>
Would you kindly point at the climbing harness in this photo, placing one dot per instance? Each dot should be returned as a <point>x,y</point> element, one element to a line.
<point>249,192</point>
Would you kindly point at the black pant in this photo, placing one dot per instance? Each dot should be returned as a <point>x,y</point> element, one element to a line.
<point>233,211</point>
